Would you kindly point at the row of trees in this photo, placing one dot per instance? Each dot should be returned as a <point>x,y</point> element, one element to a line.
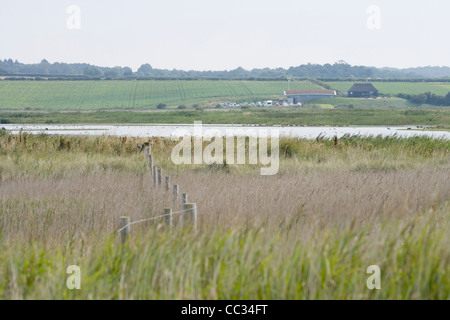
<point>339,70</point>
<point>3,71</point>
<point>45,68</point>
<point>427,98</point>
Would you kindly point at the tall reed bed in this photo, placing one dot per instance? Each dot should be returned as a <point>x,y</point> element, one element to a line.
<point>308,233</point>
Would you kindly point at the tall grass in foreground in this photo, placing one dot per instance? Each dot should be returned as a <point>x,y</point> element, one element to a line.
<point>308,233</point>
<point>269,262</point>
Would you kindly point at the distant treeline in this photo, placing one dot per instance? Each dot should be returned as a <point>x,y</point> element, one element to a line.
<point>320,82</point>
<point>40,77</point>
<point>339,70</point>
<point>427,98</point>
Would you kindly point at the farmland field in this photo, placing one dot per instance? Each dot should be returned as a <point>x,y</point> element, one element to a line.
<point>95,95</point>
<point>91,95</point>
<point>393,88</point>
<point>309,232</point>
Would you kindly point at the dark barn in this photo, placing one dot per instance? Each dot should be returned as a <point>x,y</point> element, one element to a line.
<point>362,90</point>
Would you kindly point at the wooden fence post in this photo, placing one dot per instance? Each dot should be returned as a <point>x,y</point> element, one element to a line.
<point>184,199</point>
<point>150,162</point>
<point>190,214</point>
<point>175,194</point>
<point>154,174</point>
<point>159,176</point>
<point>168,217</point>
<point>125,228</point>
<point>167,180</point>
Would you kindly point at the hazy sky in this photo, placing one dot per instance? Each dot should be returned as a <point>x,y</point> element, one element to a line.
<point>225,34</point>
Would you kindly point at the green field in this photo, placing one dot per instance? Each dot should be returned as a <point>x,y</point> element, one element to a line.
<point>394,88</point>
<point>92,95</point>
<point>95,95</point>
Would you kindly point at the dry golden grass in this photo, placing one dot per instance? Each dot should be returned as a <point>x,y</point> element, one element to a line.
<point>81,207</point>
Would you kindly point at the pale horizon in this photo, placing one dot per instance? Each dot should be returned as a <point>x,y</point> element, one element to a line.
<point>205,35</point>
<point>229,69</point>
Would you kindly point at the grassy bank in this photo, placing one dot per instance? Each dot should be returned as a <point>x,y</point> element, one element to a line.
<point>309,232</point>
<point>278,116</point>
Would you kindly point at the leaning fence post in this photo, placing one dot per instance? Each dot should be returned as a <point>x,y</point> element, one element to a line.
<point>159,176</point>
<point>150,162</point>
<point>146,148</point>
<point>167,180</point>
<point>190,214</point>
<point>175,194</point>
<point>168,217</point>
<point>124,228</point>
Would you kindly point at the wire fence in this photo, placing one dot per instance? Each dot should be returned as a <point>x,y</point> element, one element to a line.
<point>153,218</point>
<point>188,209</point>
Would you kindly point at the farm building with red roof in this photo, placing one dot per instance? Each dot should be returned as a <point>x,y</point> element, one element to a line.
<point>301,96</point>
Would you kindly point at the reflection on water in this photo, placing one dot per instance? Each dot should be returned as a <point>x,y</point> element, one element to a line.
<point>169,130</point>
